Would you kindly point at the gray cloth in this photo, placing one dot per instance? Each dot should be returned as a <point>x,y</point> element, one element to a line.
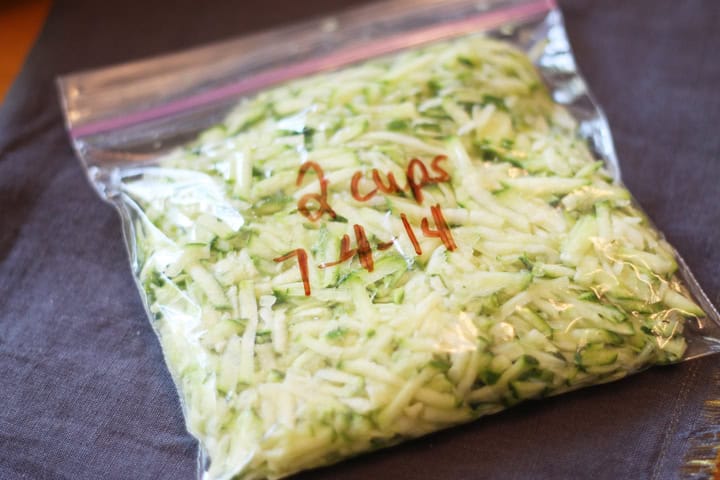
<point>84,392</point>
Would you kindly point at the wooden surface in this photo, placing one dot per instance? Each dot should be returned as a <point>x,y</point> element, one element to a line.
<point>20,22</point>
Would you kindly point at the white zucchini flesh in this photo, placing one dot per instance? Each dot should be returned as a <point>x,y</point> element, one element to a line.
<point>555,279</point>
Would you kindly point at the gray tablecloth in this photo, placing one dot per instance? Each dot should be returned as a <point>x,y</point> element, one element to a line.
<point>84,393</point>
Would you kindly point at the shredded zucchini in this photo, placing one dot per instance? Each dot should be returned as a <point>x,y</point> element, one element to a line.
<point>515,269</point>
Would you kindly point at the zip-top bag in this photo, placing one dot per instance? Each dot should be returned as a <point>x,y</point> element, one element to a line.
<point>361,230</point>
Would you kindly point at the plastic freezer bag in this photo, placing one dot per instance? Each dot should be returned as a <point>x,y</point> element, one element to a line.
<point>410,218</point>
